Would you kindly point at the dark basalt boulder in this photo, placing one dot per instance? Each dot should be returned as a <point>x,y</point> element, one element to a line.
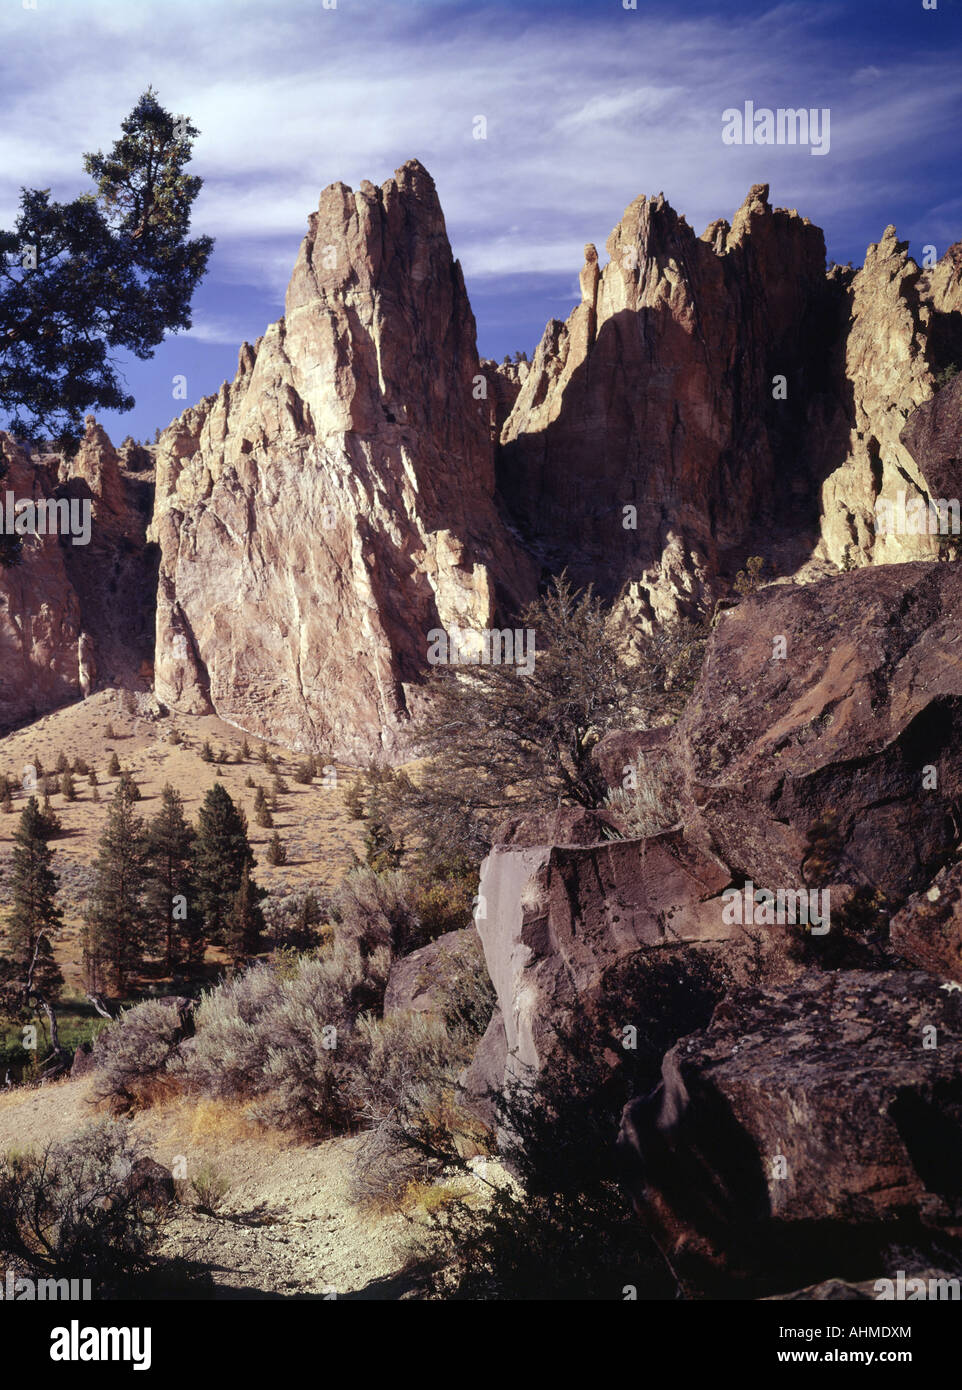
<point>805,1134</point>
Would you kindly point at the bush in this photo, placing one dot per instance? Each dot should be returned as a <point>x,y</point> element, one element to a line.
<point>404,1089</point>
<point>379,910</point>
<point>209,1187</point>
<point>276,850</point>
<point>71,1211</point>
<point>134,1053</point>
<point>113,767</point>
<point>285,1038</point>
<point>651,804</point>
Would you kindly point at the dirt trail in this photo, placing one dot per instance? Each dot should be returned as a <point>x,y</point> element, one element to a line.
<point>286,1226</point>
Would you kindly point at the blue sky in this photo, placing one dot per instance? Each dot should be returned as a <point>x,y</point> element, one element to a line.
<point>587,104</point>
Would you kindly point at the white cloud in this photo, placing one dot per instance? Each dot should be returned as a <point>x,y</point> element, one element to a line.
<point>583,115</point>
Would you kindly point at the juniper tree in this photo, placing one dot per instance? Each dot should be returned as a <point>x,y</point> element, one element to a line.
<point>221,853</point>
<point>245,922</point>
<point>503,737</point>
<point>170,902</point>
<point>34,917</point>
<point>116,931</point>
<point>114,269</point>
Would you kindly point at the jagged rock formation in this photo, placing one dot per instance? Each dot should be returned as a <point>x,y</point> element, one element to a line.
<point>320,515</point>
<point>710,397</point>
<point>73,615</point>
<point>734,395</point>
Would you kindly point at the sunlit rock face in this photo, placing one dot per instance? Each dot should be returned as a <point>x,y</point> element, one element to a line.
<point>319,516</point>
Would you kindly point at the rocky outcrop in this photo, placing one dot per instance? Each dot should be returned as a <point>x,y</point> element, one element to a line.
<point>40,616</point>
<point>841,698</point>
<point>320,515</point>
<point>557,920</point>
<point>712,391</point>
<point>933,436</point>
<point>834,1104</point>
<point>79,608</point>
<point>928,930</point>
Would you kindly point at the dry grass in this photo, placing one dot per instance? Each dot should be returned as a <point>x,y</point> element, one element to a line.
<point>312,820</point>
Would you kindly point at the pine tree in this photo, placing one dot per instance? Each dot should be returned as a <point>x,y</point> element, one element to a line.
<point>68,789</point>
<point>221,853</point>
<point>245,923</point>
<point>34,918</point>
<point>115,926</point>
<point>113,767</point>
<point>262,814</point>
<point>170,889</point>
<point>113,270</point>
<point>276,850</point>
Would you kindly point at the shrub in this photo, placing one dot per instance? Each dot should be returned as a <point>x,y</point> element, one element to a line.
<point>113,767</point>
<point>209,1187</point>
<point>68,789</point>
<point>133,1055</point>
<point>80,767</point>
<point>285,1037</point>
<point>379,910</point>
<point>304,773</point>
<point>71,1211</point>
<point>276,850</point>
<point>354,799</point>
<point>651,804</point>
<point>404,1089</point>
<point>206,752</point>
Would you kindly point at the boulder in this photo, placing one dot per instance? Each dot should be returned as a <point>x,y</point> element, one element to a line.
<point>806,1133</point>
<point>557,920</point>
<point>928,930</point>
<point>416,982</point>
<point>839,699</point>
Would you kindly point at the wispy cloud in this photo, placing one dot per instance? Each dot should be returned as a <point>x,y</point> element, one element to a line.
<point>587,106</point>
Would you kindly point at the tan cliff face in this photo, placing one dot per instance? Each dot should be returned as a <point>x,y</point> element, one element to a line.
<point>319,516</point>
<point>365,478</point>
<point>73,616</point>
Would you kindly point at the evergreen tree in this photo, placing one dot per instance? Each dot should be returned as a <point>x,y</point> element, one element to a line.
<point>170,889</point>
<point>276,850</point>
<point>245,922</point>
<point>115,926</point>
<point>221,853</point>
<point>262,814</point>
<point>34,918</point>
<point>112,270</point>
